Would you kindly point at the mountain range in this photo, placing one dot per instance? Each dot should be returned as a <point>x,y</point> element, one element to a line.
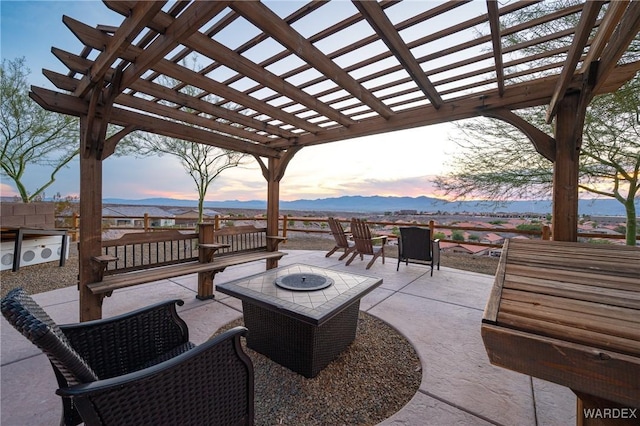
<point>380,204</point>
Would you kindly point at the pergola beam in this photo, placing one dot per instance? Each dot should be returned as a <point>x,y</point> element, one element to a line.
<point>583,31</point>
<point>270,23</point>
<point>515,97</point>
<point>218,52</point>
<point>188,22</point>
<point>138,18</point>
<point>496,42</point>
<point>627,30</point>
<point>68,83</point>
<point>70,105</point>
<point>615,11</point>
<point>384,28</point>
<point>96,39</point>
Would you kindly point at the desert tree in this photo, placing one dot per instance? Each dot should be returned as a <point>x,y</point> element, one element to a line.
<point>204,163</point>
<point>32,137</point>
<point>498,163</point>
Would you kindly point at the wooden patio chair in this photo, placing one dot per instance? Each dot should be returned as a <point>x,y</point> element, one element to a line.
<point>365,243</point>
<point>139,368</point>
<point>416,246</point>
<point>342,239</point>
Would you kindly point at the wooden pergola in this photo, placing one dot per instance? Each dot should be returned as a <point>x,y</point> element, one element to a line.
<point>271,80</point>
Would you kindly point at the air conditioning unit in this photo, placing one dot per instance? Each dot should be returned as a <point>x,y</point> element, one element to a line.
<point>34,251</point>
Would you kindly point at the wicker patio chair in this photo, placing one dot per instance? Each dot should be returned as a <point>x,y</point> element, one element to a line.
<point>139,368</point>
<point>342,239</point>
<point>416,246</point>
<point>365,243</point>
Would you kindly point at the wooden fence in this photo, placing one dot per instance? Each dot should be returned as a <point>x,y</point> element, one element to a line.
<point>319,225</point>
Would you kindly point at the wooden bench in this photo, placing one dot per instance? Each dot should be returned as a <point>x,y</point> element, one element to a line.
<point>569,313</point>
<point>138,258</point>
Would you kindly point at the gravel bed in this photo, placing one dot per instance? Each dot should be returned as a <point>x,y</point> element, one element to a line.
<point>370,381</point>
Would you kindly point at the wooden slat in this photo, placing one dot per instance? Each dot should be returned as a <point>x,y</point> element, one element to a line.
<point>570,334</point>
<point>493,304</point>
<point>624,33</point>
<point>577,277</point>
<point>569,313</point>
<point>187,22</point>
<point>67,104</point>
<point>606,295</point>
<point>596,309</point>
<point>565,316</point>
<point>97,39</point>
<point>149,237</point>
<point>606,374</point>
<point>115,282</point>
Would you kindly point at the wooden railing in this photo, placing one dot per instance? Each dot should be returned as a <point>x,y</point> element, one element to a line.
<point>291,224</point>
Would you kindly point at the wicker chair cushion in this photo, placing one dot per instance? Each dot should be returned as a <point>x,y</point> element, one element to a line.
<point>34,323</point>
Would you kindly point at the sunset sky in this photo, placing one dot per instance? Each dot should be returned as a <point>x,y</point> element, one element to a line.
<point>363,166</point>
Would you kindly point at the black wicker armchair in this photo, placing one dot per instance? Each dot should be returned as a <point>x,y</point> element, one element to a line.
<point>416,246</point>
<point>140,368</point>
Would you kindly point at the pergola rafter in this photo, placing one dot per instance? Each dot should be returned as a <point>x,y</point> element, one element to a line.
<point>271,78</point>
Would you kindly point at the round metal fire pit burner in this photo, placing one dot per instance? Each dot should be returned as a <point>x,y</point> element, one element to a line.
<point>303,282</point>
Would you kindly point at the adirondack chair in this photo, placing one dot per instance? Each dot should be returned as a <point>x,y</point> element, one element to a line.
<point>364,242</point>
<point>342,240</point>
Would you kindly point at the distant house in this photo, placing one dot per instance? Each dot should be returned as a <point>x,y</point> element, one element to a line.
<point>190,217</point>
<point>133,216</point>
<point>471,249</point>
<point>492,238</point>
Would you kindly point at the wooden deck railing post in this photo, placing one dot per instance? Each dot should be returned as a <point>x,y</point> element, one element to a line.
<point>75,224</point>
<point>546,232</point>
<point>206,235</point>
<point>216,222</point>
<point>432,227</point>
<point>146,222</point>
<point>284,228</point>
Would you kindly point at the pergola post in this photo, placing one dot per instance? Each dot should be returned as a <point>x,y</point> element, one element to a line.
<point>273,208</point>
<point>568,135</point>
<point>90,225</point>
<point>273,172</point>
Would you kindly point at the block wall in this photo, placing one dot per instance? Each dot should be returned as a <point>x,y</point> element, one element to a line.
<point>31,215</point>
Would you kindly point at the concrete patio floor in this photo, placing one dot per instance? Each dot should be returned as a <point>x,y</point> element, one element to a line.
<point>439,315</point>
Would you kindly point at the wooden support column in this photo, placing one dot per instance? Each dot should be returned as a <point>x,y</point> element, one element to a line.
<point>90,226</point>
<point>273,208</point>
<point>568,129</point>
<point>273,172</point>
<point>206,235</point>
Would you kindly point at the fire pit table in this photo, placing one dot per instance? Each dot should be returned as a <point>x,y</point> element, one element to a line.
<point>301,316</point>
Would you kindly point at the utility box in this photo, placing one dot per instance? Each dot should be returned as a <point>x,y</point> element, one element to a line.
<point>40,249</point>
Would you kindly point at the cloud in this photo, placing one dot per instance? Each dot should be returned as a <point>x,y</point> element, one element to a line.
<point>7,190</point>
